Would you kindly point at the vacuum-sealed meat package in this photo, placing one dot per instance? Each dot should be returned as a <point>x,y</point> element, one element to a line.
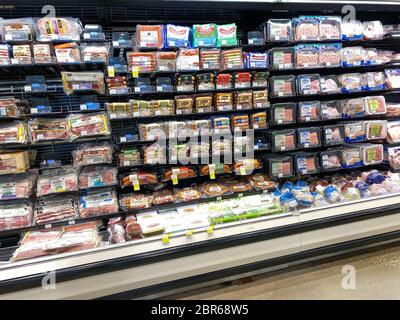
<point>150,36</point>
<point>92,153</point>
<point>17,186</point>
<point>279,30</point>
<point>98,202</point>
<point>56,208</point>
<point>283,113</point>
<point>280,167</point>
<point>283,140</point>
<point>309,84</point>
<point>57,28</point>
<point>13,132</point>
<point>307,55</point>
<point>15,215</point>
<point>308,138</point>
<point>306,28</point>
<point>329,84</point>
<point>330,55</point>
<point>283,86</point>
<point>333,135</point>
<point>306,163</point>
<point>135,201</point>
<point>281,58</point>
<point>14,162</point>
<point>329,28</point>
<point>88,124</point>
<point>309,111</point>
<point>331,159</point>
<point>58,180</point>
<point>330,110</point>
<point>97,176</point>
<point>46,129</point>
<point>393,132</point>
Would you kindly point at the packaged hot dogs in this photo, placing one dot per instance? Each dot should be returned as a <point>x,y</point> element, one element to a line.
<point>150,36</point>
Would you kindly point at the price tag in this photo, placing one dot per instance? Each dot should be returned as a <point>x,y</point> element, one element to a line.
<point>211,169</point>
<point>239,107</point>
<point>113,91</point>
<point>165,239</point>
<point>240,195</point>
<point>283,148</point>
<point>48,226</point>
<point>328,64</point>
<point>306,145</point>
<point>27,88</point>
<point>54,37</point>
<point>126,163</point>
<point>8,37</point>
<point>159,88</point>
<point>251,41</point>
<point>122,139</point>
<point>136,114</point>
<point>158,113</point>
<point>34,110</point>
<point>71,222</point>
<point>189,233</point>
<point>277,38</point>
<point>280,175</point>
<point>86,36</point>
<point>137,89</point>
<point>243,170</point>
<point>174,176</point>
<point>304,171</point>
<point>111,71</point>
<point>135,72</point>
<point>219,198</point>
<point>113,116</point>
<point>210,229</point>
<point>84,133</point>
<point>255,147</point>
<point>115,43</point>
<point>75,87</point>
<point>280,94</point>
<point>83,107</point>
<point>14,61</point>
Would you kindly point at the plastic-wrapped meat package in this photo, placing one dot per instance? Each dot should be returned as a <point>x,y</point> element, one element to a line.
<point>283,86</point>
<point>385,56</point>
<point>210,59</point>
<point>283,113</point>
<point>18,186</point>
<point>373,30</point>
<point>163,107</point>
<point>353,56</point>
<point>116,230</point>
<point>224,81</point>
<point>354,132</point>
<point>5,54</point>
<point>224,101</point>
<point>372,154</point>
<point>88,81</point>
<point>42,53</point>
<point>308,138</point>
<point>17,29</point>
<point>45,129</point>
<point>373,81</point>
<point>97,176</point>
<point>307,56</point>
<point>306,163</point>
<point>330,110</point>
<point>56,181</point>
<point>282,58</point>
<point>280,167</point>
<point>309,84</point>
<point>393,132</point>
<point>98,202</point>
<point>68,53</point>
<point>187,194</point>
<point>232,59</point>
<point>56,208</point>
<point>375,105</point>
<point>352,108</point>
<point>226,35</point>
<point>88,124</point>
<point>117,85</point>
<point>394,157</point>
<point>182,172</point>
<point>154,154</point>
<point>377,190</point>
<point>333,135</point>
<point>57,28</point>
<point>204,35</point>
<point>129,157</point>
<point>15,215</point>
<point>309,111</point>
<point>142,62</point>
<point>243,100</point>
<point>371,57</point>
<point>392,78</point>
<point>119,110</point>
<point>177,36</point>
<point>150,36</point>
<point>22,54</point>
<point>164,196</point>
<point>283,140</point>
<point>260,79</point>
<point>92,153</point>
<point>260,98</point>
<point>331,159</point>
<point>350,82</point>
<point>9,107</point>
<point>256,60</point>
<point>306,29</point>
<point>352,30</point>
<point>351,157</point>
<point>150,223</point>
<point>13,132</point>
<point>329,28</point>
<point>152,131</point>
<point>95,52</point>
<point>188,59</point>
<point>132,228</point>
<point>14,162</point>
<point>214,189</point>
<point>330,55</point>
<point>135,201</point>
<point>392,109</point>
<point>137,178</point>
<point>329,84</point>
<point>166,60</point>
<point>279,30</point>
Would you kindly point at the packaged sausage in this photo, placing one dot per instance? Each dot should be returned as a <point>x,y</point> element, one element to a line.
<point>351,157</point>
<point>15,30</point>
<point>258,120</point>
<point>232,59</point>
<point>393,132</point>
<point>283,86</point>
<point>119,110</point>
<point>242,79</point>
<point>183,172</point>
<point>373,30</point>
<point>200,150</point>
<point>188,60</point>
<point>135,201</point>
<point>141,108</point>
<point>352,30</point>
<point>261,181</point>
<point>279,30</point>
<point>92,153</point>
<point>13,132</point>
<point>243,100</point>
<point>306,28</point>
<point>204,103</point>
<point>184,104</point>
<point>376,129</point>
<point>150,36</point>
<point>129,157</point>
<point>333,135</point>
<point>309,111</point>
<point>88,124</point>
<point>256,60</point>
<point>307,55</point>
<point>283,113</point>
<point>163,107</point>
<point>260,79</point>
<point>375,105</point>
<point>95,52</point>
<point>330,54</point>
<point>354,132</point>
<point>283,140</point>
<point>42,53</point>
<point>5,54</point>
<point>329,84</point>
<point>97,176</point>
<point>353,56</point>
<point>210,59</point>
<point>22,54</point>
<point>142,62</point>
<point>205,35</point>
<point>205,82</point>
<point>43,129</point>
<point>200,127</point>
<point>240,122</point>
<point>185,82</point>
<point>69,52</point>
<point>246,167</point>
<point>187,194</point>
<point>163,196</point>
<point>166,60</point>
<point>15,215</point>
<point>350,82</point>
<point>137,178</point>
<point>154,154</point>
<point>179,152</point>
<point>306,163</point>
<point>373,81</point>
<point>117,85</point>
<point>57,180</point>
<point>280,167</point>
<point>392,78</point>
<point>330,110</point>
<point>177,36</point>
<point>329,28</point>
<point>224,101</point>
<point>52,28</point>
<point>14,162</point>
<point>260,99</point>
<point>98,202</point>
<point>83,81</point>
<point>308,138</point>
<point>221,147</point>
<point>331,159</point>
<point>221,124</point>
<point>173,129</point>
<point>282,58</point>
<point>224,81</point>
<point>308,84</point>
<point>352,108</point>
<point>226,35</point>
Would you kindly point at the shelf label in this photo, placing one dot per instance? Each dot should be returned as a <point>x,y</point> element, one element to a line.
<point>211,169</point>
<point>165,238</point>
<point>48,226</point>
<point>189,233</point>
<point>210,229</point>
<point>135,72</point>
<point>174,176</point>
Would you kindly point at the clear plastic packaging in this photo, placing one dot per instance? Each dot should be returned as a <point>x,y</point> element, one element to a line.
<point>17,187</point>
<point>330,55</point>
<point>137,178</point>
<point>242,80</point>
<point>226,35</point>
<point>353,56</point>
<point>184,104</point>
<point>232,59</point>
<point>373,30</point>
<point>393,132</point>
<point>42,53</point>
<point>329,28</point>
<point>260,98</point>
<point>14,162</point>
<point>392,78</point>
<point>373,81</point>
<point>15,215</point>
<point>88,124</point>
<point>283,86</point>
<point>150,36</point>
<point>243,100</point>
<point>260,79</point>
<point>68,53</point>
<point>308,138</point>
<point>152,131</point>
<point>354,132</point>
<point>222,124</point>
<point>135,201</point>
<point>309,84</point>
<point>210,59</point>
<point>259,120</point>
<point>56,181</point>
<point>282,58</point>
<point>350,82</point>
<point>92,153</point>
<point>372,154</point>
<point>307,55</point>
<point>333,135</point>
<point>97,176</point>
<point>394,157</point>
<point>306,28</point>
<point>22,54</point>
<point>330,110</point>
<point>47,129</point>
<point>98,202</point>
<point>11,107</point>
<point>255,38</point>
<point>352,108</point>
<point>185,82</point>
<point>279,30</point>
<point>224,101</point>
<point>56,208</point>
<point>375,105</point>
<point>83,81</point>
<point>55,29</point>
<point>93,32</point>
<point>121,40</point>
<point>95,52</point>
<point>129,157</point>
<point>256,60</point>
<point>119,110</point>
<point>179,173</point>
<point>283,140</point>
<point>280,167</point>
<point>376,129</point>
<point>392,109</point>
<point>163,196</point>
<point>246,167</point>
<point>331,159</point>
<point>221,147</point>
<point>142,62</point>
<point>204,102</point>
<point>188,59</point>
<point>166,61</point>
<point>309,111</point>
<point>283,113</point>
<point>351,157</point>
<point>240,122</point>
<point>372,58</point>
<point>13,132</point>
<point>224,81</point>
<point>5,54</point>
<point>177,36</point>
<point>205,35</point>
<point>330,84</point>
<point>16,30</point>
<point>352,30</point>
<point>306,163</point>
<point>154,154</point>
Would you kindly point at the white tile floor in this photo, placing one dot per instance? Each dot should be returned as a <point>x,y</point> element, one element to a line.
<point>377,276</point>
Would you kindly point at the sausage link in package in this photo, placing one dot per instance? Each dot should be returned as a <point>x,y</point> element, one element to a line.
<point>188,60</point>
<point>52,28</point>
<point>226,35</point>
<point>166,61</point>
<point>210,59</point>
<point>97,176</point>
<point>178,173</point>
<point>260,99</point>
<point>150,36</point>
<point>45,129</point>
<point>142,62</point>
<point>307,55</point>
<point>177,36</point>
<point>83,81</point>
<point>92,153</point>
<point>56,181</point>
<point>13,132</point>
<point>88,124</point>
<point>98,202</point>
<point>205,35</point>
<point>243,100</point>
<point>246,166</point>
<point>232,59</point>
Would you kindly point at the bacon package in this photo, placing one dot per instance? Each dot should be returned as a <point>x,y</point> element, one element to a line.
<point>13,132</point>
<point>83,81</point>
<point>68,53</point>
<point>92,153</point>
<point>58,180</point>
<point>150,36</point>
<point>46,129</point>
<point>49,29</point>
<point>15,215</point>
<point>56,208</point>
<point>17,186</point>
<point>98,202</point>
<point>88,124</point>
<point>14,162</point>
<point>97,176</point>
<point>5,54</point>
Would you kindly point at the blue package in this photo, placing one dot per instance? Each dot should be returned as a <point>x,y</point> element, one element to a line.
<point>352,30</point>
<point>177,36</point>
<point>375,177</point>
<point>287,186</point>
<point>256,60</point>
<point>362,187</point>
<point>288,200</point>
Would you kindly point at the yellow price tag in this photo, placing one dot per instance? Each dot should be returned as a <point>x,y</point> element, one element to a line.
<point>174,176</point>
<point>165,238</point>
<point>243,171</point>
<point>111,71</point>
<point>135,72</point>
<point>211,169</point>
<point>210,229</point>
<point>189,233</point>
<point>136,186</point>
